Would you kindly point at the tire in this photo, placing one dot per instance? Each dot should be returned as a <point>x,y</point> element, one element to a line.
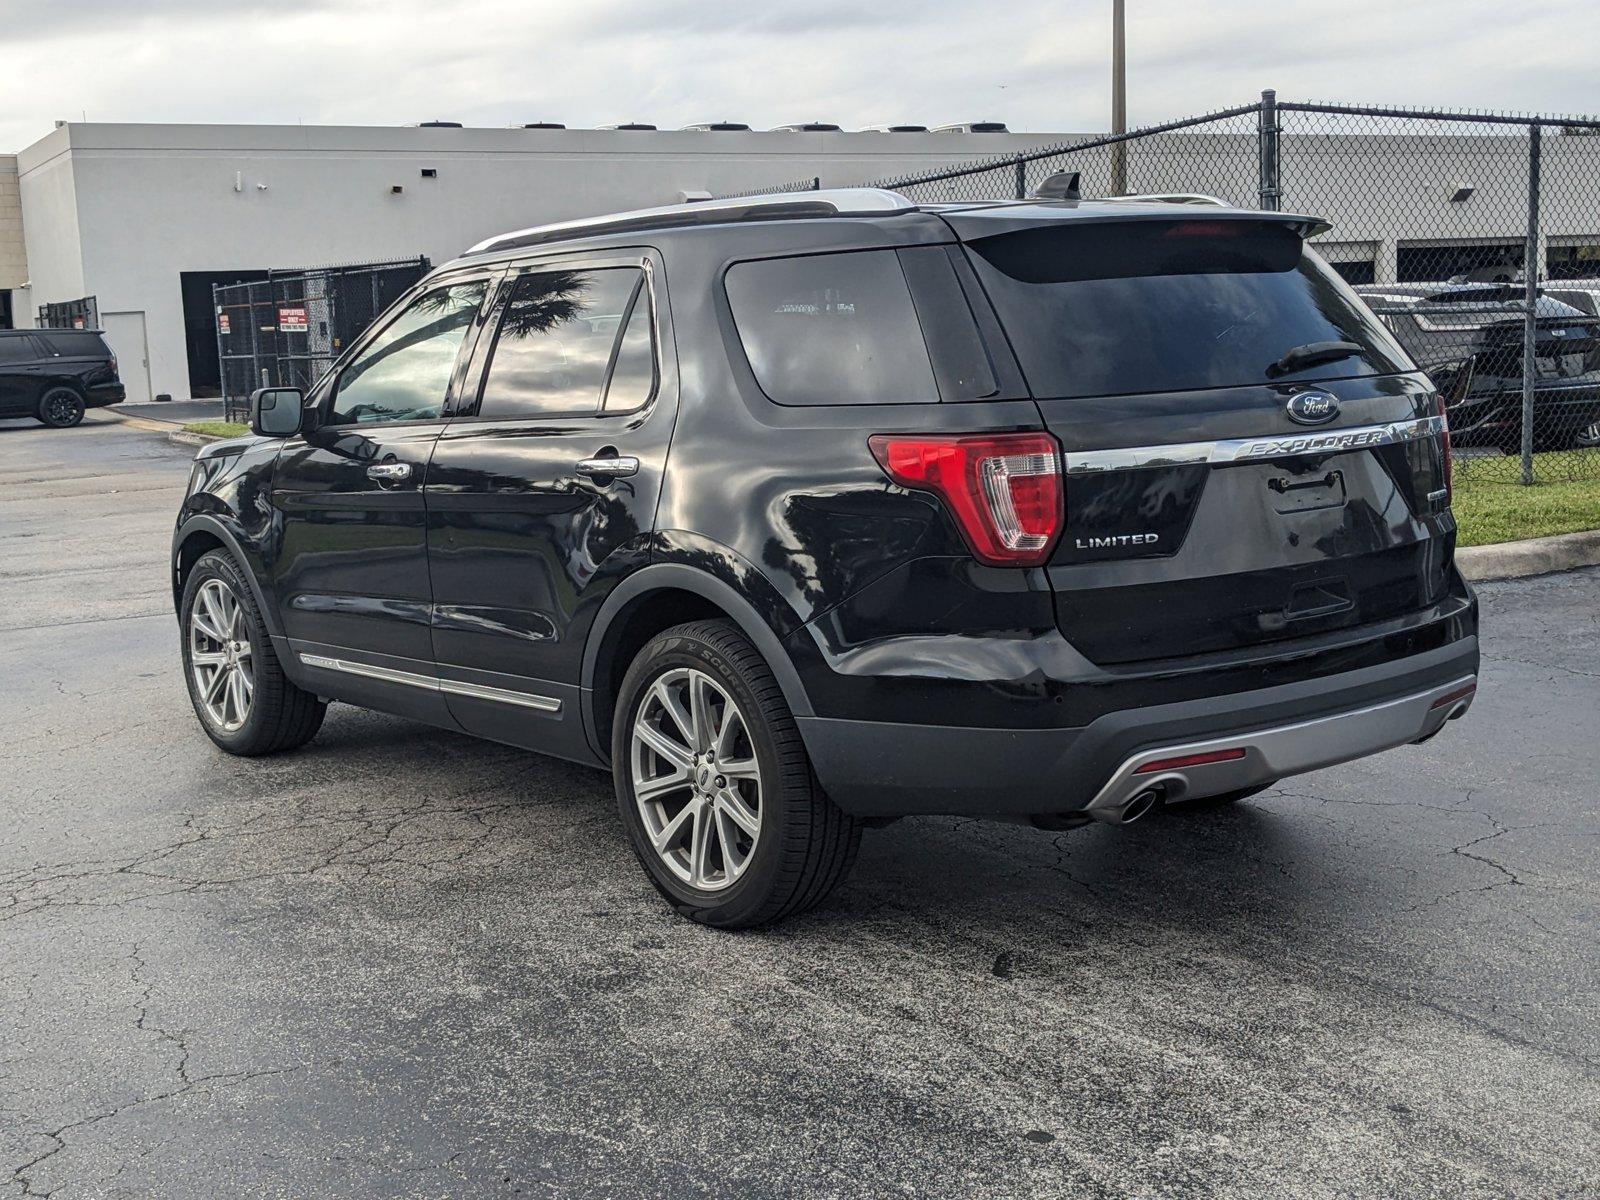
<point>269,715</point>
<point>60,408</point>
<point>803,844</point>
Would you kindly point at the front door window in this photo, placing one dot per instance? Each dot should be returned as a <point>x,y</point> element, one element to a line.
<point>404,373</point>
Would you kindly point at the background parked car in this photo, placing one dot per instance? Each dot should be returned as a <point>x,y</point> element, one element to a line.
<point>1469,338</point>
<point>1583,295</point>
<point>55,374</point>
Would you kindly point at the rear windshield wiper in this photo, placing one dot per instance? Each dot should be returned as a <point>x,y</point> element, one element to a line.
<point>1310,355</point>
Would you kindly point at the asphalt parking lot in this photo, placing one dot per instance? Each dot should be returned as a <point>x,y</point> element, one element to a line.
<point>402,962</point>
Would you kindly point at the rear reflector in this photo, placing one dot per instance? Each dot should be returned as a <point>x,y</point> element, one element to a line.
<point>1461,693</point>
<point>1189,760</point>
<point>1003,489</point>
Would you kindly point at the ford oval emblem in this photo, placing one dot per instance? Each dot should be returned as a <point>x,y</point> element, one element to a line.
<point>1313,408</point>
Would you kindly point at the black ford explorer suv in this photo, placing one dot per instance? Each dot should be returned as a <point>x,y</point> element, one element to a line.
<point>803,513</point>
<point>54,374</point>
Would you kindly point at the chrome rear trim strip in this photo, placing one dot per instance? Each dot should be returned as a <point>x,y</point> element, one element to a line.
<point>1238,450</point>
<point>431,683</point>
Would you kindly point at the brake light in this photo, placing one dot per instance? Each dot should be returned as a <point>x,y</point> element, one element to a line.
<point>1444,448</point>
<point>1003,489</point>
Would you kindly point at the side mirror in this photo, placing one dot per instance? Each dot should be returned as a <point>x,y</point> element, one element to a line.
<point>276,412</point>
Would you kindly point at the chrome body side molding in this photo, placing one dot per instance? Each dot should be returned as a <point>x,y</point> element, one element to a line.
<point>432,683</point>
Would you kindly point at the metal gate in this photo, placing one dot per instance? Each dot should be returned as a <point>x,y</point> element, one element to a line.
<point>287,329</point>
<point>83,313</point>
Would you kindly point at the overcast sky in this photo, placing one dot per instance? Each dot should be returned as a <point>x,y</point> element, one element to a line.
<point>1038,66</point>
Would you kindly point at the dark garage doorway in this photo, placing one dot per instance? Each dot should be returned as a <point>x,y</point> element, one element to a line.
<point>200,326</point>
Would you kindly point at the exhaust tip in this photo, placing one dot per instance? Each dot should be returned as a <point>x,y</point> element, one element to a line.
<point>1141,804</point>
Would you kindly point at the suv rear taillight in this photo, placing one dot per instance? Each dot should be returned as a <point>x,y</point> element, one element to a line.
<point>1004,489</point>
<point>1444,448</point>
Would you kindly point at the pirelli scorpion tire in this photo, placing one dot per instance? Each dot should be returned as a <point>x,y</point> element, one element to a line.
<point>715,787</point>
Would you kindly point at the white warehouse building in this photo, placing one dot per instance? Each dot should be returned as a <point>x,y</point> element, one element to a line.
<point>146,218</point>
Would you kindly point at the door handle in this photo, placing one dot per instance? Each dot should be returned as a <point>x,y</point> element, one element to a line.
<point>613,465</point>
<point>389,472</point>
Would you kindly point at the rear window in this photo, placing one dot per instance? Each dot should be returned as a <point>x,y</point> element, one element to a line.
<point>72,344</point>
<point>832,329</point>
<point>1157,306</point>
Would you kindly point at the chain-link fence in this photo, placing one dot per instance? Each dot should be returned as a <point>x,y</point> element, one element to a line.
<point>286,330</point>
<point>83,313</point>
<point>1435,217</point>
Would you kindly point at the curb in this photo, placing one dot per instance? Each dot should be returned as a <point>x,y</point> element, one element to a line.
<point>1536,556</point>
<point>182,437</point>
<point>148,424</point>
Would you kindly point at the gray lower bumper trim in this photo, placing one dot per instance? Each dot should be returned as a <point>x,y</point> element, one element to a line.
<point>1280,751</point>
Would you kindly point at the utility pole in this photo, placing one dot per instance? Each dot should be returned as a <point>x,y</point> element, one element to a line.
<point>1119,101</point>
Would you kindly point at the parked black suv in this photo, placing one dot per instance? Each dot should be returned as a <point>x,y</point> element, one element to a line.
<point>1469,338</point>
<point>804,513</point>
<point>54,374</point>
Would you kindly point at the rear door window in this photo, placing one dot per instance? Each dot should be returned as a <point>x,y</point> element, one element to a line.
<point>831,329</point>
<point>1104,309</point>
<point>16,350</point>
<point>554,349</point>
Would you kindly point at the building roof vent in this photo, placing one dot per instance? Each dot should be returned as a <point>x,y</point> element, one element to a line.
<point>895,129</point>
<point>434,125</point>
<point>630,125</point>
<point>718,127</point>
<point>974,127</point>
<point>537,125</point>
<point>807,127</point>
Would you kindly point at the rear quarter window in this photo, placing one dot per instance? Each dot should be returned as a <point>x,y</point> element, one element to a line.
<point>831,329</point>
<point>70,343</point>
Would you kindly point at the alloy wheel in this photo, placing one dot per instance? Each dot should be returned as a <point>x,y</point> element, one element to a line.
<point>219,655</point>
<point>695,779</point>
<point>60,406</point>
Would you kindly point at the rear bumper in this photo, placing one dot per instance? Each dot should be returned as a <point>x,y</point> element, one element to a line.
<point>876,768</point>
<point>101,394</point>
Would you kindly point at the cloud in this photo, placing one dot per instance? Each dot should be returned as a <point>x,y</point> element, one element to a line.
<point>1040,65</point>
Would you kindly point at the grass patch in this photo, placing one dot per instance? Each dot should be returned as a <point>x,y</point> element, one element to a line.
<point>222,429</point>
<point>1502,510</point>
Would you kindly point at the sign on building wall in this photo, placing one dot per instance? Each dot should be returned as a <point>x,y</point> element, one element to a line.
<point>292,320</point>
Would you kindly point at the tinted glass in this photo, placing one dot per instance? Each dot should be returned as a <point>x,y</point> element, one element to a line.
<point>1155,306</point>
<point>633,378</point>
<point>16,349</point>
<point>404,374</point>
<point>554,343</point>
<point>831,329</point>
<point>70,344</point>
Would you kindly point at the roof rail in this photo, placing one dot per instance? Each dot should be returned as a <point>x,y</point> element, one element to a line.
<point>834,202</point>
<point>1165,198</point>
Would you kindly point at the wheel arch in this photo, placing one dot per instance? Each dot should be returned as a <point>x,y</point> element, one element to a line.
<point>202,533</point>
<point>655,598</point>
